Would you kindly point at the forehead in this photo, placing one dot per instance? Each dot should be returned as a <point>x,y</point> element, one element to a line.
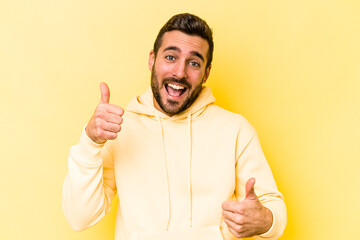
<point>185,42</point>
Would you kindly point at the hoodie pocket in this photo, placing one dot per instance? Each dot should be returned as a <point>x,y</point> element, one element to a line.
<point>206,233</point>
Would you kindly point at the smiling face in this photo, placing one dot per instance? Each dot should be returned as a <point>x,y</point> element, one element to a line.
<point>178,71</point>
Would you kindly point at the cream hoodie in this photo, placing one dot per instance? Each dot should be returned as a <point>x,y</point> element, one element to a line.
<point>171,173</point>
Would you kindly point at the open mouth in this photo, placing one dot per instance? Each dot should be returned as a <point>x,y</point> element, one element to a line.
<point>175,90</point>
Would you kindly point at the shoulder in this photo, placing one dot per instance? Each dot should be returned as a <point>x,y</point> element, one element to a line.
<point>227,118</point>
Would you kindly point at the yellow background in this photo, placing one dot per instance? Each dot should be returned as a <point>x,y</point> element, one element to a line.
<point>292,68</point>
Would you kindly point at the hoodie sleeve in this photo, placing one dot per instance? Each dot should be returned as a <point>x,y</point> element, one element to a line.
<point>89,185</point>
<point>251,162</point>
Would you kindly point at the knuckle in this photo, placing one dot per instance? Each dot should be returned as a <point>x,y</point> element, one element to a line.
<point>240,209</point>
<point>102,105</point>
<point>98,123</point>
<point>238,219</point>
<point>98,114</point>
<point>238,235</point>
<point>121,111</point>
<point>115,128</point>
<point>113,136</point>
<point>100,132</point>
<point>239,228</point>
<point>99,107</point>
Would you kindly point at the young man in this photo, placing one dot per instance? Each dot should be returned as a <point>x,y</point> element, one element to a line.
<point>183,167</point>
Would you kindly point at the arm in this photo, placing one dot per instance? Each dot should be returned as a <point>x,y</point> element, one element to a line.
<point>260,209</point>
<point>89,185</point>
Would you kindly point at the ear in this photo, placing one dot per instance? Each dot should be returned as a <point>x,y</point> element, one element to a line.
<point>207,73</point>
<point>151,59</point>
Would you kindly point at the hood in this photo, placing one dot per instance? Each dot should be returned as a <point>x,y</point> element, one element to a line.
<point>144,105</point>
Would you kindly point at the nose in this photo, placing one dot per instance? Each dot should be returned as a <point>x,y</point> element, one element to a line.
<point>179,70</point>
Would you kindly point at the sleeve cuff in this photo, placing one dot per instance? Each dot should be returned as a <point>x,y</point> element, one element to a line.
<point>87,150</point>
<point>88,139</point>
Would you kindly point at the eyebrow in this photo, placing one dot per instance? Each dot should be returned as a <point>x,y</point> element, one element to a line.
<point>193,53</point>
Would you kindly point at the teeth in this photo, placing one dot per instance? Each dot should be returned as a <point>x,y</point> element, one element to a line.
<point>176,87</point>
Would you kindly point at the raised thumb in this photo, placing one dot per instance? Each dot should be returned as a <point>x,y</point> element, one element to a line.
<point>249,189</point>
<point>105,93</point>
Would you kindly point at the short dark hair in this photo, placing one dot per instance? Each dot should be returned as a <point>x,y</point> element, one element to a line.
<point>189,24</point>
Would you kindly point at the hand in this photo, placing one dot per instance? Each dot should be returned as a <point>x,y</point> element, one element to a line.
<point>106,121</point>
<point>248,217</point>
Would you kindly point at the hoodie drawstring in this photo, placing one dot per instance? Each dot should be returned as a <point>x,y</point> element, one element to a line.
<point>190,160</point>
<point>167,170</point>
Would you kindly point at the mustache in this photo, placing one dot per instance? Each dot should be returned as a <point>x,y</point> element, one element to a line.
<point>175,80</point>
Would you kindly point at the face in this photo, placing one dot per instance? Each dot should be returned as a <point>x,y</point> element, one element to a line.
<point>178,71</point>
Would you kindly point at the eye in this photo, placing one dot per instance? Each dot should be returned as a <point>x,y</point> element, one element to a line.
<point>195,64</point>
<point>170,57</point>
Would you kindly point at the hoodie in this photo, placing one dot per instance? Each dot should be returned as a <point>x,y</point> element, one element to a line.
<point>171,173</point>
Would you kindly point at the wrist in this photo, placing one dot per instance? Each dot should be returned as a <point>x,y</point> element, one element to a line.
<point>91,137</point>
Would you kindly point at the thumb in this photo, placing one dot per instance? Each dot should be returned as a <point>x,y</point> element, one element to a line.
<point>105,93</point>
<point>249,189</point>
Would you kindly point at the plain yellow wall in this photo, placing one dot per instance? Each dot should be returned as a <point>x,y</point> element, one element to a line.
<point>292,68</point>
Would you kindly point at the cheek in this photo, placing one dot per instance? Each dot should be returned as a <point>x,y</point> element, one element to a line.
<point>195,77</point>
<point>163,69</point>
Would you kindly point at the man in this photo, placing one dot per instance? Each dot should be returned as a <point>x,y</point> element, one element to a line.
<point>183,167</point>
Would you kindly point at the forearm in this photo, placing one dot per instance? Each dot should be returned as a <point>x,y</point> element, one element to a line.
<point>252,163</point>
<point>86,198</point>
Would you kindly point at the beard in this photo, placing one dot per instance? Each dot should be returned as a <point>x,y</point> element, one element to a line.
<point>172,107</point>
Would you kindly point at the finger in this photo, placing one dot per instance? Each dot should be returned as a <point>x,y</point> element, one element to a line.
<point>234,233</point>
<point>230,216</point>
<point>102,135</point>
<point>106,135</point>
<point>236,229</point>
<point>111,108</point>
<point>105,93</point>
<point>106,112</point>
<point>109,127</point>
<point>228,206</point>
<point>112,118</point>
<point>249,189</point>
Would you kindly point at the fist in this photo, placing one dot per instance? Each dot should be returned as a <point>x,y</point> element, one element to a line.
<point>106,121</point>
<point>248,217</point>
